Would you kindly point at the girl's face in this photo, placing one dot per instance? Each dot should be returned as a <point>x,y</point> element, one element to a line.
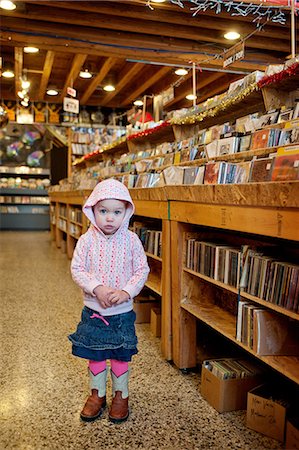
<point>109,215</point>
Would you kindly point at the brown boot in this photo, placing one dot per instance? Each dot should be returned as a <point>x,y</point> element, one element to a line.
<point>93,407</point>
<point>119,411</point>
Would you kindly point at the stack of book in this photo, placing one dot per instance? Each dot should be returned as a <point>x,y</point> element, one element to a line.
<point>229,368</point>
<point>266,332</point>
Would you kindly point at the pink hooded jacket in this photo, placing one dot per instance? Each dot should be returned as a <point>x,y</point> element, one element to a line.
<point>118,260</point>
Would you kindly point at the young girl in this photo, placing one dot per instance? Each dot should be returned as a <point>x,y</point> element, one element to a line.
<point>110,266</point>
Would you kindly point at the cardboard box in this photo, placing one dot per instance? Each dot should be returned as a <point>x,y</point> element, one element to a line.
<point>265,415</point>
<point>156,322</point>
<point>292,434</point>
<point>142,308</point>
<point>226,395</point>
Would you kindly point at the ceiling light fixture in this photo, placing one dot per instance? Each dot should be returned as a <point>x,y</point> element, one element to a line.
<point>191,97</point>
<point>31,50</point>
<point>7,4</point>
<point>52,92</point>
<point>85,74</point>
<point>158,1</point>
<point>109,88</point>
<point>232,35</point>
<point>25,102</point>
<point>138,103</point>
<point>181,71</point>
<point>25,84</point>
<point>8,73</point>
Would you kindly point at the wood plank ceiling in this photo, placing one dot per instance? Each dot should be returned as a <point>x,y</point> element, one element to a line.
<point>134,46</point>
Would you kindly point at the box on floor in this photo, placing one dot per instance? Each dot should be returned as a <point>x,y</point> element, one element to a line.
<point>292,434</point>
<point>266,411</point>
<point>142,308</point>
<point>226,395</point>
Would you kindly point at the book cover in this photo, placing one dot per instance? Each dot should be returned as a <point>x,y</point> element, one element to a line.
<point>286,168</point>
<point>227,145</point>
<point>211,173</point>
<point>274,334</point>
<point>190,175</point>
<point>200,175</point>
<point>260,170</point>
<point>260,139</point>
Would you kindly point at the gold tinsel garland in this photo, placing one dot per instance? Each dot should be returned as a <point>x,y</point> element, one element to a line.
<point>212,112</point>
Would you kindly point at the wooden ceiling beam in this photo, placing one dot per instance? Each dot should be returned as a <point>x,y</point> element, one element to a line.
<point>12,38</point>
<point>18,68</point>
<point>125,79</point>
<point>108,64</point>
<point>134,32</point>
<point>77,63</point>
<point>48,64</point>
<point>171,15</point>
<point>145,85</point>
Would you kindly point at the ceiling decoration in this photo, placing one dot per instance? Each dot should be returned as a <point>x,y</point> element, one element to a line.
<point>138,47</point>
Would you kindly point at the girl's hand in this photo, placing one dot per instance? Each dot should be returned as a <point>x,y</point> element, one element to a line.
<point>102,293</point>
<point>117,297</point>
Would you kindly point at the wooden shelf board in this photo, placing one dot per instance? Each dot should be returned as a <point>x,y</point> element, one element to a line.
<point>150,255</point>
<point>154,287</point>
<point>272,306</point>
<point>153,208</point>
<point>76,223</point>
<point>243,294</point>
<point>224,323</point>
<point>274,222</point>
<point>227,287</point>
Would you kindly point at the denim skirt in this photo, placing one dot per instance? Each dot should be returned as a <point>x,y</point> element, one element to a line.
<point>109,337</point>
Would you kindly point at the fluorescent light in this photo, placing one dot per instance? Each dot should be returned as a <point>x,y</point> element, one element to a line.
<point>232,35</point>
<point>109,88</point>
<point>31,49</point>
<point>138,103</point>
<point>7,4</point>
<point>191,97</point>
<point>181,72</point>
<point>8,73</point>
<point>52,92</point>
<point>85,74</point>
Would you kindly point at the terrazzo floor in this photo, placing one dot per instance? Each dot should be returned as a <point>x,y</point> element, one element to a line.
<point>43,387</point>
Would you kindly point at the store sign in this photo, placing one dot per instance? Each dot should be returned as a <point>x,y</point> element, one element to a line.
<point>234,54</point>
<point>167,95</point>
<point>72,92</point>
<point>71,105</point>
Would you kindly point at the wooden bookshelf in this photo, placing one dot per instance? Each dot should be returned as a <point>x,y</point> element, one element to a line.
<point>260,209</point>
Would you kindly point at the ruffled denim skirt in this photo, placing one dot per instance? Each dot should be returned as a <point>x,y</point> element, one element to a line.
<point>109,337</point>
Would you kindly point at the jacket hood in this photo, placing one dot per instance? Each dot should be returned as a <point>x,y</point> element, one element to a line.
<point>105,190</point>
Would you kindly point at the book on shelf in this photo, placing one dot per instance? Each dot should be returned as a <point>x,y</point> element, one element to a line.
<point>244,143</point>
<point>274,334</point>
<point>200,175</point>
<point>286,168</point>
<point>261,169</point>
<point>260,139</point>
<point>227,145</point>
<point>211,172</point>
<point>190,175</point>
<point>212,149</point>
<point>174,175</point>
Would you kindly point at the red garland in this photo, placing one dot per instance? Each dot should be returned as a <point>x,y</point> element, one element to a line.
<point>280,76</point>
<point>148,131</point>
